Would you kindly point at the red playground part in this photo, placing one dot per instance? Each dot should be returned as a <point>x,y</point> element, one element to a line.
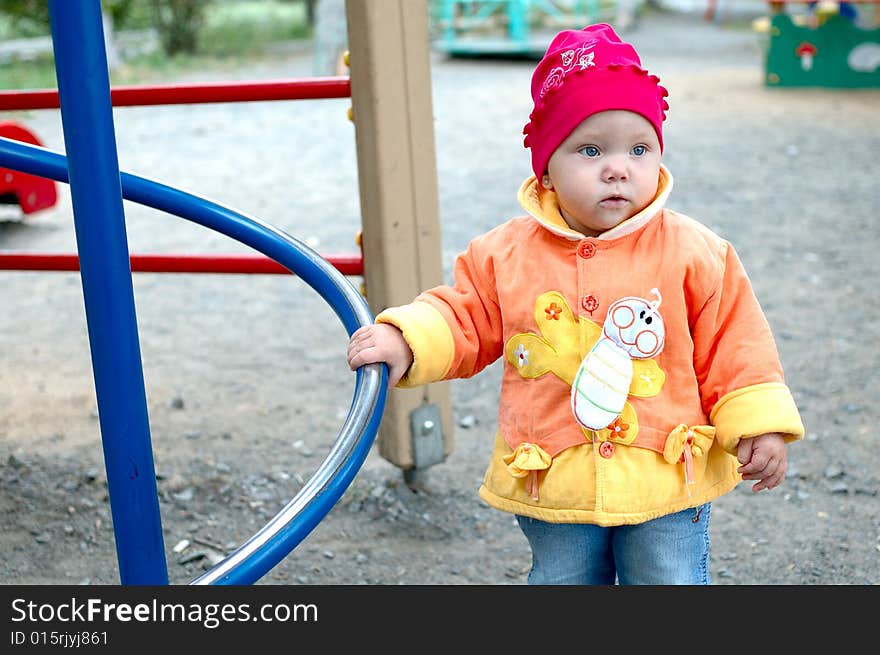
<point>30,192</point>
<point>245,263</point>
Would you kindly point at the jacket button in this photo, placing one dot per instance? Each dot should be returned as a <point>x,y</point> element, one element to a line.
<point>586,249</point>
<point>606,449</point>
<point>590,303</point>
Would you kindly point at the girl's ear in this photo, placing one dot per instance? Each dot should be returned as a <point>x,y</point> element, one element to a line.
<point>545,181</point>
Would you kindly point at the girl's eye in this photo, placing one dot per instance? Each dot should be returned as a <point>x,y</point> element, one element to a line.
<point>590,151</point>
<point>639,150</point>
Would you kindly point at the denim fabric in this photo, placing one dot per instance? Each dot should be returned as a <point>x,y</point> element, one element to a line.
<point>670,550</point>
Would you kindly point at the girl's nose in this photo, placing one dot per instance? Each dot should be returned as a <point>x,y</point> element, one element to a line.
<point>615,170</point>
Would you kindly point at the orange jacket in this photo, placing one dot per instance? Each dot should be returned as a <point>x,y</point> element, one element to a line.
<point>682,368</point>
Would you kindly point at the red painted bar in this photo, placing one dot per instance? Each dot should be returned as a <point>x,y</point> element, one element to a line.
<point>253,264</point>
<point>310,88</point>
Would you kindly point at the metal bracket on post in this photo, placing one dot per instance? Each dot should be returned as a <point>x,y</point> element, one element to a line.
<point>427,439</point>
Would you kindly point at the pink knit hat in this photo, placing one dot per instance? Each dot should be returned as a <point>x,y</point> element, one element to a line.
<point>584,72</point>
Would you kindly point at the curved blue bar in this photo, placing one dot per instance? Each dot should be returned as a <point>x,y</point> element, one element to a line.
<point>87,117</point>
<point>261,236</point>
<point>274,550</point>
<point>296,257</point>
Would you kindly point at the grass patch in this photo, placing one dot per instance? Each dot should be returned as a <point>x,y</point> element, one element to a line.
<point>238,32</point>
<point>246,28</point>
<point>35,74</point>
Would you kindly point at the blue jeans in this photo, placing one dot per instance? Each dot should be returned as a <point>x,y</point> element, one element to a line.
<point>669,550</point>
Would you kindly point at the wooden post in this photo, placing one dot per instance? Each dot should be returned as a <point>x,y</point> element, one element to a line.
<point>393,117</point>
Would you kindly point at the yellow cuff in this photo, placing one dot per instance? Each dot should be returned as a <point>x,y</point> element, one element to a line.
<point>428,337</point>
<point>753,410</point>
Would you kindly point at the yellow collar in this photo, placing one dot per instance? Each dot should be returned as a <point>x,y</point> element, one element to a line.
<point>543,206</point>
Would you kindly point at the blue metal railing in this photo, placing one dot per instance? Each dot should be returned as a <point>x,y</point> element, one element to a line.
<point>97,190</point>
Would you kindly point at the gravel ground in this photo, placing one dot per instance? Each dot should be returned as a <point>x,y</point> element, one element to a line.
<point>246,378</point>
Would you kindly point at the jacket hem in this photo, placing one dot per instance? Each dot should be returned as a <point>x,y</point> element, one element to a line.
<point>603,519</point>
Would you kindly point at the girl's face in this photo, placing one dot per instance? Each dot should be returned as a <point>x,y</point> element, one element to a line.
<point>605,171</point>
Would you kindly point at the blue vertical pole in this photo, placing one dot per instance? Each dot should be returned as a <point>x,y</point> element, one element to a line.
<point>96,194</point>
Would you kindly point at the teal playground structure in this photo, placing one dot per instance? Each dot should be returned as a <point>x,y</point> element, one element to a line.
<point>97,190</point>
<point>517,27</point>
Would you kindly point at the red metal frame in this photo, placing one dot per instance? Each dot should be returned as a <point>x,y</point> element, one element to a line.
<point>311,88</point>
<point>255,264</point>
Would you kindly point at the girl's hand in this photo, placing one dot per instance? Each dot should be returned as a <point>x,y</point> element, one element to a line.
<point>381,342</point>
<point>763,458</point>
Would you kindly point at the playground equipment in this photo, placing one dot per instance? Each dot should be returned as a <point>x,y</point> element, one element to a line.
<point>29,192</point>
<point>514,27</point>
<point>25,185</point>
<point>97,190</point>
<point>393,118</point>
<point>826,44</point>
<point>268,546</point>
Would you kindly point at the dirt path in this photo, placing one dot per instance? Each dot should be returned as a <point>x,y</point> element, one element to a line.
<point>246,379</point>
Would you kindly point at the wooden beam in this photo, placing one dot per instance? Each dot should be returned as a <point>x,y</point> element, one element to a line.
<point>392,109</point>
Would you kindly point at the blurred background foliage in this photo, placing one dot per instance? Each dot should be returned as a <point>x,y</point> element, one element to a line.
<point>154,37</point>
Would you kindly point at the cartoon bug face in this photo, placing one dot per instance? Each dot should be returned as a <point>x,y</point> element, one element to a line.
<point>636,326</point>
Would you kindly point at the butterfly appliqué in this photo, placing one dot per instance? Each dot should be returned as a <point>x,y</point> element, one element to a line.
<point>633,329</point>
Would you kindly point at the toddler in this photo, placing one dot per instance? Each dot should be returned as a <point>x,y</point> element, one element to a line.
<point>641,379</point>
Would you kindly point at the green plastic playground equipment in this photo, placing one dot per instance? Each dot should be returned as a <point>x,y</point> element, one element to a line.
<point>823,46</point>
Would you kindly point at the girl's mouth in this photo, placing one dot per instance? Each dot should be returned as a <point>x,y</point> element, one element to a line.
<point>613,201</point>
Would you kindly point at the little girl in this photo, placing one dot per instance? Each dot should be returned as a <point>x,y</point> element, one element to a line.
<point>641,379</point>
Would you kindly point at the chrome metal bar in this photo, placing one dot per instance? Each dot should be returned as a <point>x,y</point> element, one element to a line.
<point>352,445</point>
